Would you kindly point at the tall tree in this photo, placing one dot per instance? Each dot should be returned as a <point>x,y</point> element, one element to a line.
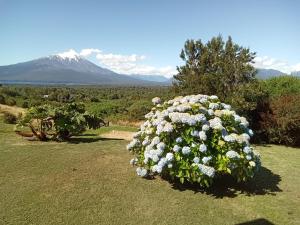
<point>216,67</point>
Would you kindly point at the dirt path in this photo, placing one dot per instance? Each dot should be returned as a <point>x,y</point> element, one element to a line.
<point>125,135</point>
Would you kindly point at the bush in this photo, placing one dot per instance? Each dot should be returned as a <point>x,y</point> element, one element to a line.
<point>252,101</point>
<point>193,139</point>
<point>11,102</point>
<point>25,104</point>
<point>61,122</point>
<point>2,99</point>
<point>283,85</point>
<point>138,110</point>
<point>9,118</point>
<point>282,123</point>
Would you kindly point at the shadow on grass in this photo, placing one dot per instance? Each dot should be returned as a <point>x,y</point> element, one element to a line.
<point>260,221</point>
<point>86,139</point>
<point>265,182</point>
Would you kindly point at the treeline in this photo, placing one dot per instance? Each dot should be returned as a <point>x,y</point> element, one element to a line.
<point>111,103</point>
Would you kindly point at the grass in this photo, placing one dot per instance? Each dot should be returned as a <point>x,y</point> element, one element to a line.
<point>90,181</point>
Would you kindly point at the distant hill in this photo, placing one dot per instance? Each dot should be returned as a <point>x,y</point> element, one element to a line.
<point>268,73</point>
<point>58,69</point>
<point>155,78</point>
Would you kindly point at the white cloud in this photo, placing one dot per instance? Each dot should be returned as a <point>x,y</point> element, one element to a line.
<point>131,64</point>
<point>71,54</point>
<point>267,62</point>
<point>88,51</point>
<point>124,64</point>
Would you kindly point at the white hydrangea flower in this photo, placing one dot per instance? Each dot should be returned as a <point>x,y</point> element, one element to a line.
<point>247,150</point>
<point>156,100</point>
<point>179,129</point>
<point>205,160</point>
<point>170,156</point>
<point>232,154</point>
<point>176,148</point>
<point>202,135</point>
<point>252,163</point>
<point>213,106</point>
<point>133,161</point>
<point>205,127</point>
<point>141,172</point>
<point>213,97</point>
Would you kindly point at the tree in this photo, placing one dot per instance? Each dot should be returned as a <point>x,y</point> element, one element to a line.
<point>59,123</point>
<point>214,68</point>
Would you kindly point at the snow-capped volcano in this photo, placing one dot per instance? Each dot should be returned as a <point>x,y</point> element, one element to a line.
<point>66,68</point>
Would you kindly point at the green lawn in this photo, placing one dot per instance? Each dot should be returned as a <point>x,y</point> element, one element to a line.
<point>90,181</point>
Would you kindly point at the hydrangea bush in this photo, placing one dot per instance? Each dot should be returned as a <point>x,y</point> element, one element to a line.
<point>194,139</point>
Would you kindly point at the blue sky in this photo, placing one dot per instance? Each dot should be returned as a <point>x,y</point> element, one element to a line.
<point>147,36</point>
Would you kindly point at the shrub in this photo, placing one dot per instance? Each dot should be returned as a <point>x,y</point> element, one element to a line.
<point>25,104</point>
<point>9,118</point>
<point>193,139</point>
<point>138,109</point>
<point>11,102</point>
<point>282,123</point>
<point>61,122</point>
<point>2,99</point>
<point>283,85</point>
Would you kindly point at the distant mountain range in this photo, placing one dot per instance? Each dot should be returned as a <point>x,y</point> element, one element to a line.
<point>70,70</point>
<point>57,69</point>
<point>268,73</point>
<point>155,78</point>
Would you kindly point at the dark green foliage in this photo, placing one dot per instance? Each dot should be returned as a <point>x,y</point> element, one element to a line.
<point>214,68</point>
<point>11,102</point>
<point>9,118</point>
<point>139,109</point>
<point>283,85</point>
<point>60,123</point>
<point>2,99</point>
<point>25,104</point>
<point>251,100</point>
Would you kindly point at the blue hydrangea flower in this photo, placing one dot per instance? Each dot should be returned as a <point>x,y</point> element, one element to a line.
<point>207,170</point>
<point>248,157</point>
<point>161,146</point>
<point>170,156</point>
<point>196,160</point>
<point>195,133</point>
<point>186,150</point>
<point>247,150</point>
<point>202,148</point>
<point>205,160</point>
<point>178,140</point>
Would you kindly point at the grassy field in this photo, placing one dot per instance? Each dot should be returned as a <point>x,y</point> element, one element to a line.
<point>90,181</point>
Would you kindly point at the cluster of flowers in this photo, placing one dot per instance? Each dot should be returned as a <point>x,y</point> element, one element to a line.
<point>194,138</point>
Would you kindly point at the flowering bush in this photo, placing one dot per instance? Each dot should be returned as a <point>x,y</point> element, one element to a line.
<point>194,139</point>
